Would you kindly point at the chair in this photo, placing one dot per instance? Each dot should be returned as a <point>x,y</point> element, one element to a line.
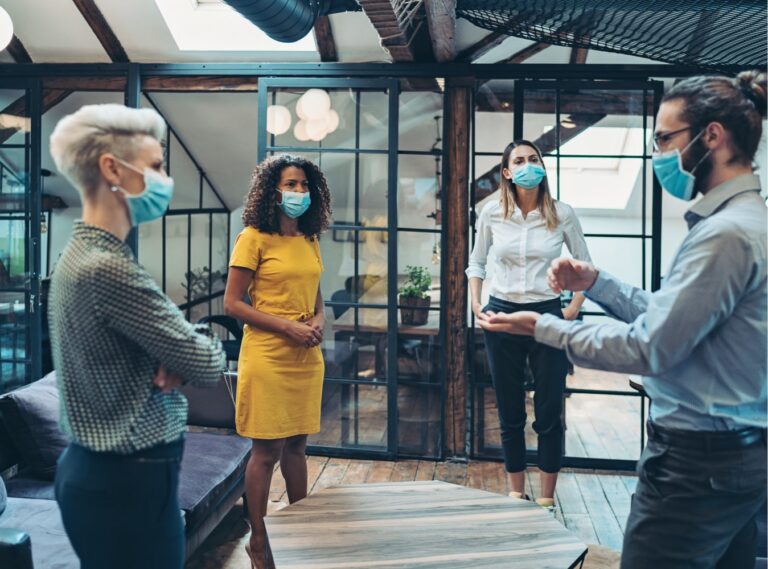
<point>231,347</point>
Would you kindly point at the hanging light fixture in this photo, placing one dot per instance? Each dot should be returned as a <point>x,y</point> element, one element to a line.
<point>315,104</point>
<point>6,29</point>
<point>278,119</point>
<point>567,122</point>
<point>300,131</point>
<point>331,121</point>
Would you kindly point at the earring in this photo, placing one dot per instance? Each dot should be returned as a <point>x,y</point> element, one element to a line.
<point>113,188</point>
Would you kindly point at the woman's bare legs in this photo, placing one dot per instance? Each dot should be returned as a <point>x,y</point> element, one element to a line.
<point>293,465</point>
<point>548,482</point>
<point>258,477</point>
<point>516,482</point>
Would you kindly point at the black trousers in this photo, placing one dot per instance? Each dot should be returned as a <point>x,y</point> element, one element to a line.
<point>695,508</point>
<point>122,512</point>
<point>507,357</point>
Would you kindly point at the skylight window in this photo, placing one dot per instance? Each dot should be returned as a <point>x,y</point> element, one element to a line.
<point>212,25</point>
<point>601,181</point>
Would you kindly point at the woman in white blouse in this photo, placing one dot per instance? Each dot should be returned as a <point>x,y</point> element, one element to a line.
<point>526,229</point>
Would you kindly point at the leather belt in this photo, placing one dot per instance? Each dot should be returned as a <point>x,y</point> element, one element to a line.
<point>707,440</point>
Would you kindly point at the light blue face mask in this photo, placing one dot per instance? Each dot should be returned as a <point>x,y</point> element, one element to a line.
<point>294,204</point>
<point>668,167</point>
<point>153,202</point>
<point>529,176</point>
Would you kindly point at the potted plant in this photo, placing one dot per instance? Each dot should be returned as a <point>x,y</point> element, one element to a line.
<point>413,298</point>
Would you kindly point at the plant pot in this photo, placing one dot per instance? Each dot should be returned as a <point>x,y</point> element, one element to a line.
<point>412,310</point>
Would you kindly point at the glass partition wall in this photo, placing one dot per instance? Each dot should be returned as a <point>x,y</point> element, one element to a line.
<point>595,137</point>
<point>20,218</point>
<point>379,150</point>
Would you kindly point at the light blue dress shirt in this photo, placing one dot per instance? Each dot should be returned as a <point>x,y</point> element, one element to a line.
<point>700,340</point>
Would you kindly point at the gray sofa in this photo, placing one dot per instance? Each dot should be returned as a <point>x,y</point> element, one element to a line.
<point>211,480</point>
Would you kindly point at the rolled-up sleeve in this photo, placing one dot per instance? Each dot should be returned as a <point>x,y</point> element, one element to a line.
<point>700,292</point>
<point>483,241</point>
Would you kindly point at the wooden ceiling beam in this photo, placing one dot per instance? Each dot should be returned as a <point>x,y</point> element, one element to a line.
<point>18,108</point>
<point>18,52</point>
<point>478,49</point>
<point>326,44</point>
<point>104,33</point>
<point>441,20</point>
<point>578,56</point>
<point>180,84</point>
<point>526,53</point>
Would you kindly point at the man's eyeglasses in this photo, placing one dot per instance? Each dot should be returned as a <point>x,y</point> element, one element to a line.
<point>662,138</point>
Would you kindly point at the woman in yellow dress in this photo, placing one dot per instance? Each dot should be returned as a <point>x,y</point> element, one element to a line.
<point>276,260</point>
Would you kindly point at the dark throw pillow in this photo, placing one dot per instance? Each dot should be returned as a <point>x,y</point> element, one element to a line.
<point>31,418</point>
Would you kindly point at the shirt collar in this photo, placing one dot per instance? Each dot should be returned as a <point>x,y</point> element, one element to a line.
<point>98,235</point>
<point>715,198</point>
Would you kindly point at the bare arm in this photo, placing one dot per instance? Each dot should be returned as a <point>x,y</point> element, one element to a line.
<point>238,281</point>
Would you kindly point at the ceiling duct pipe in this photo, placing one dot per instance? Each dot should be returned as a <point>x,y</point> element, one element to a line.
<point>289,20</point>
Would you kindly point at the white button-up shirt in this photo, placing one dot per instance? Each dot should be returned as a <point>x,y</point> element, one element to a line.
<point>522,249</point>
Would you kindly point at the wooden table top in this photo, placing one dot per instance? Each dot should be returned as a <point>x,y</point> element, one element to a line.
<point>418,525</point>
<point>375,319</point>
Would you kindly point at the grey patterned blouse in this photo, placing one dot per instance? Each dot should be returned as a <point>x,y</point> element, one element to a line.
<point>111,329</point>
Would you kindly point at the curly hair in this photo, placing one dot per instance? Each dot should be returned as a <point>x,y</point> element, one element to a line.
<point>261,206</point>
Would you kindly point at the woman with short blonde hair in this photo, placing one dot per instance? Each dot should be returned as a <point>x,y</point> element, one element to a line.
<point>120,349</point>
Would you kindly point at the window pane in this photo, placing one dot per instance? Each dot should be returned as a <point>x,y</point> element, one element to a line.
<point>420,121</point>
<point>494,116</point>
<point>418,197</point>
<point>353,416</point>
<point>418,420</point>
<point>602,426</point>
<point>176,232</point>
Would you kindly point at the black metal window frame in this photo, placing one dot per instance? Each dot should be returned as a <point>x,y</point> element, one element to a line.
<point>33,74</point>
<point>653,89</point>
<point>31,327</point>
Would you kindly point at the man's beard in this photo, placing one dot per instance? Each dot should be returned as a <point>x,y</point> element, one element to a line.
<point>696,155</point>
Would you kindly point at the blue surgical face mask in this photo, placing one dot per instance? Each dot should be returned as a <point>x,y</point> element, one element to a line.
<point>668,167</point>
<point>153,202</point>
<point>529,176</point>
<point>294,204</point>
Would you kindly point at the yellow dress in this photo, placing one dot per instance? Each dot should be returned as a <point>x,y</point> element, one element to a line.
<point>279,383</point>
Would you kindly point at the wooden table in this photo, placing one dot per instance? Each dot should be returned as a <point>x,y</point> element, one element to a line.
<point>374,320</point>
<point>418,525</point>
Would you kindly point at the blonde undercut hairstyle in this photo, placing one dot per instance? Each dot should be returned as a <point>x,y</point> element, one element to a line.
<point>81,138</point>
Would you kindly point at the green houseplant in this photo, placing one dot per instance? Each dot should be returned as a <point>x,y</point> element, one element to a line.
<point>414,299</point>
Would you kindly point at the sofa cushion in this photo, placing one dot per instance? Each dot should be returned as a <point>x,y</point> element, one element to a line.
<point>211,465</point>
<point>20,487</point>
<point>42,521</point>
<point>31,418</point>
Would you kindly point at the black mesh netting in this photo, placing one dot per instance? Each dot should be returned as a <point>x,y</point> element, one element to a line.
<point>711,34</point>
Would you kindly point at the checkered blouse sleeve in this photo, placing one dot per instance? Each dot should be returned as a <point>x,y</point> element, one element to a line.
<point>139,310</point>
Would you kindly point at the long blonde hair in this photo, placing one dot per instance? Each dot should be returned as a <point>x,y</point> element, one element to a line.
<point>545,203</point>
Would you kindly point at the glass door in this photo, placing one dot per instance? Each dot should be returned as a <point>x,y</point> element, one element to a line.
<point>595,137</point>
<point>20,219</point>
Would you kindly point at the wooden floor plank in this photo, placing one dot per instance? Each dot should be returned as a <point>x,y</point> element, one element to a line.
<point>475,475</point>
<point>618,498</point>
<point>315,466</point>
<point>358,472</point>
<point>382,471</point>
<point>426,470</point>
<point>568,495</point>
<point>603,519</point>
<point>581,525</point>
<point>494,478</point>
<point>404,471</point>
<point>332,474</point>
